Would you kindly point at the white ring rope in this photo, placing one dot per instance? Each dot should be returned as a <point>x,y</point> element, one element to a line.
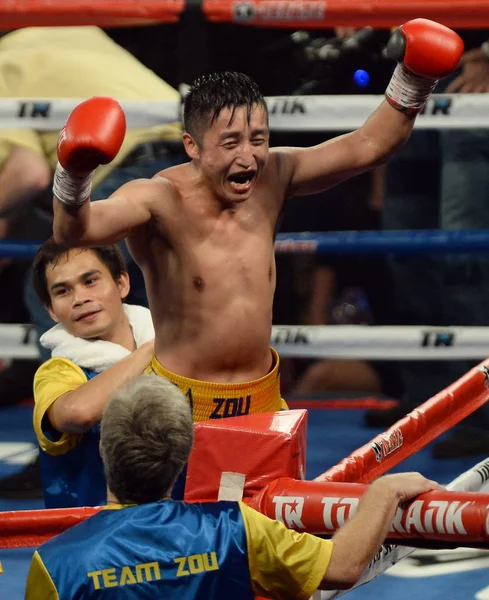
<point>329,341</point>
<point>287,113</point>
<point>381,342</point>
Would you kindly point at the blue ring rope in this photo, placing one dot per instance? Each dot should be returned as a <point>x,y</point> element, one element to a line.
<point>423,241</point>
<point>426,241</point>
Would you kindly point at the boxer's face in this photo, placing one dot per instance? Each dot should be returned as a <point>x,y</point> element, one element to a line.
<point>84,297</point>
<point>233,151</point>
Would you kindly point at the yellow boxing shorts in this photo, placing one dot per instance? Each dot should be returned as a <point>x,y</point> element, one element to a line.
<point>220,400</point>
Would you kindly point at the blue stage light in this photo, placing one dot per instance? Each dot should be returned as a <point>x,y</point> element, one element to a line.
<point>361,77</point>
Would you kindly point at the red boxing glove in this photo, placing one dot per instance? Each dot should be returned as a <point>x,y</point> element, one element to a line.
<point>426,52</point>
<point>92,136</point>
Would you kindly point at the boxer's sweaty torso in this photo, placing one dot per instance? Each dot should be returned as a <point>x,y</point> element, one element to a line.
<point>210,277</point>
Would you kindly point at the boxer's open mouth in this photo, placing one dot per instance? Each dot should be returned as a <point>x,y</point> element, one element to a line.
<point>241,181</point>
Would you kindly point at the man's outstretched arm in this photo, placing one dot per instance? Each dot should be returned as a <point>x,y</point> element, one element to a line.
<point>92,136</point>
<point>425,51</point>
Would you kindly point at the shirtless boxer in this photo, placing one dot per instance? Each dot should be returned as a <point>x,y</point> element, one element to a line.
<point>203,232</point>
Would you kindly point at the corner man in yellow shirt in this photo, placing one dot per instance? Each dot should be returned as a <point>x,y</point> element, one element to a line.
<point>145,545</point>
<point>68,62</point>
<point>99,343</point>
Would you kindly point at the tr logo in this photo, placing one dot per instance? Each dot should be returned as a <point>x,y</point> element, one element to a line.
<point>34,109</point>
<point>435,339</point>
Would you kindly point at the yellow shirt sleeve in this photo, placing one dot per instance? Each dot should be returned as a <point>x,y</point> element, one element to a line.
<point>39,584</point>
<point>283,563</point>
<point>54,378</point>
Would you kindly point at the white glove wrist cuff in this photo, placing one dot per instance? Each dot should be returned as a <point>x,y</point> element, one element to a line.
<point>71,189</point>
<point>409,92</point>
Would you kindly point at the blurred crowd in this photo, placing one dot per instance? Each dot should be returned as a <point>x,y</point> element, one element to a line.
<point>438,181</point>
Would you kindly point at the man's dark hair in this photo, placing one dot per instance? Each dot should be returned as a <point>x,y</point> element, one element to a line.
<point>210,94</point>
<point>51,252</point>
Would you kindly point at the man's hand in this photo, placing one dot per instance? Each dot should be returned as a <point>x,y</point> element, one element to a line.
<point>474,78</point>
<point>356,543</point>
<point>406,486</point>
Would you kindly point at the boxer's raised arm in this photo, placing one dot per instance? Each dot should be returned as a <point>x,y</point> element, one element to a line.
<point>105,222</point>
<point>425,51</point>
<point>92,136</point>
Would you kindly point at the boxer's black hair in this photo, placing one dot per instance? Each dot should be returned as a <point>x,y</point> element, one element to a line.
<point>50,253</point>
<point>210,94</point>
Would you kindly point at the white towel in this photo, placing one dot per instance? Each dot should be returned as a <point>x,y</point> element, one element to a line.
<point>98,355</point>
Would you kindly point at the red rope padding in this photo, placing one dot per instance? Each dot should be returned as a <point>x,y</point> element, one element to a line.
<point>318,14</point>
<point>31,528</point>
<point>414,431</point>
<point>322,508</point>
<point>447,518</point>
<point>38,13</point>
<point>291,14</point>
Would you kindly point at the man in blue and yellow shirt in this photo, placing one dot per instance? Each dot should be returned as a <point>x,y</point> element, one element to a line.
<point>68,62</point>
<point>99,344</point>
<point>143,547</point>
